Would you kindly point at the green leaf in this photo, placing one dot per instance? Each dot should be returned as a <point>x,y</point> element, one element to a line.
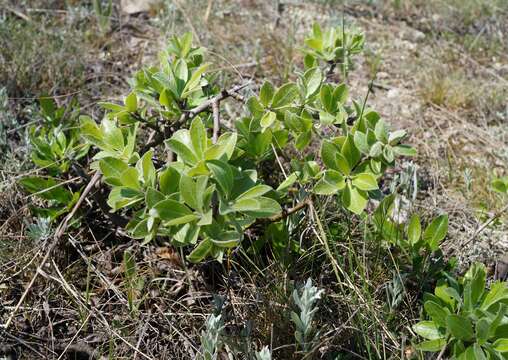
<point>46,188</point>
<point>437,312</point>
<point>460,327</point>
<point>350,152</point>
<point>329,155</point>
<point>225,146</point>
<point>388,154</point>
<point>353,199</point>
<point>498,292</point>
<point>254,192</point>
<point>255,107</point>
<point>396,136</point>
<point>284,96</point>
<point>500,185</point>
<point>326,96</point>
<point>194,81</point>
<point>129,263</point>
<point>169,210</point>
<point>153,196</point>
<point>331,182</point>
<point>246,205</point>
<point>313,78</point>
<point>165,98</point>
<point>376,150</point>
<point>130,178</point>
<point>121,196</point>
<point>431,345</point>
<point>441,293</point>
<point>192,191</point>
<point>140,230</point>
<point>482,330</point>
<point>326,118</point>
<point>436,231</point>
<point>478,354</point>
<point>112,167</point>
<point>188,234</point>
<point>268,119</point>
<point>340,94</point>
<point>269,207</point>
<point>473,352</point>
<point>169,181</point>
<point>112,135</point>
<point>131,102</point>
<point>360,140</point>
<point>223,174</point>
<point>198,137</point>
<point>303,140</point>
<point>227,239</point>
<point>184,153</point>
<point>48,105</point>
<point>266,93</point>
<point>477,276</point>
<point>428,330</point>
<point>147,169</point>
<point>414,230</point>
<point>290,180</point>
<point>381,131</point>
<point>404,150</point>
<point>365,181</point>
<point>501,345</point>
<point>201,251</point>
<point>91,132</point>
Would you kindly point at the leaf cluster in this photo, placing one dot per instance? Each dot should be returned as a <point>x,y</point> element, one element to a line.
<point>466,317</point>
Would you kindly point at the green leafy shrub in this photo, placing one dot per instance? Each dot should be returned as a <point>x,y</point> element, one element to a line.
<point>466,319</point>
<point>56,146</point>
<point>202,181</point>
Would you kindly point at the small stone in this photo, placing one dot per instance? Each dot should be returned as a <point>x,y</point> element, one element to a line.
<point>137,6</point>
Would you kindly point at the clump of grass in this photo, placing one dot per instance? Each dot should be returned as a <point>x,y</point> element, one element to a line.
<point>450,90</point>
<point>52,59</point>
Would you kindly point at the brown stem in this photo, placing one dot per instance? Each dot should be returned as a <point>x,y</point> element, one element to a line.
<point>286,212</point>
<point>233,92</point>
<point>188,115</point>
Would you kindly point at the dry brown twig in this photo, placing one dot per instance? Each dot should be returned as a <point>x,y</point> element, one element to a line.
<point>60,230</point>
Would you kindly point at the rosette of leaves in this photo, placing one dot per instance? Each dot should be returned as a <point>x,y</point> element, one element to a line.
<point>346,174</point>
<point>179,83</point>
<point>55,144</point>
<point>465,319</point>
<point>333,45</point>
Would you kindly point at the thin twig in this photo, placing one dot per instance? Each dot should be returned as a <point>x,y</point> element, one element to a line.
<point>233,92</point>
<point>216,121</point>
<point>286,212</point>
<point>482,227</point>
<point>189,115</point>
<point>56,240</point>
